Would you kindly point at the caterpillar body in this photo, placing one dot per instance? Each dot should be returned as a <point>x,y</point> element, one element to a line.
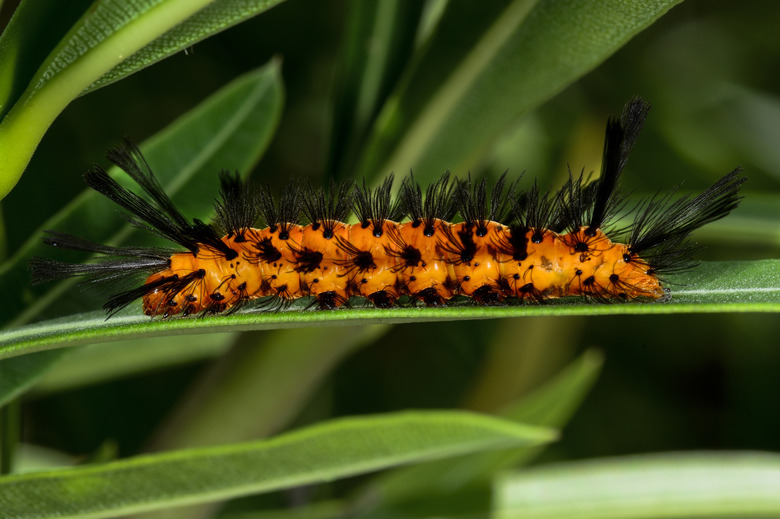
<point>509,245</point>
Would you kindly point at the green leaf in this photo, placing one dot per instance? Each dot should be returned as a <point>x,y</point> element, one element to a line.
<point>109,33</point>
<point>488,64</point>
<point>230,130</point>
<point>187,155</point>
<point>736,286</point>
<point>336,449</point>
<point>217,16</point>
<point>552,405</point>
<point>549,406</point>
<point>701,485</point>
<point>36,458</point>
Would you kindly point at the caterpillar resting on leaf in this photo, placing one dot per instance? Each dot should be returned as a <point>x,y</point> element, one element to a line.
<point>508,245</point>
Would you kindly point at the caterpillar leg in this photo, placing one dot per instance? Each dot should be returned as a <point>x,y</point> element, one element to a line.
<point>382,299</point>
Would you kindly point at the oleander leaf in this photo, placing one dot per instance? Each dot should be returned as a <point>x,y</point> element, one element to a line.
<point>332,450</point>
<point>701,484</point>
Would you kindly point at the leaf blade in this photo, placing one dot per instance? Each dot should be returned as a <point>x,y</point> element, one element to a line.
<point>551,405</point>
<point>736,484</point>
<point>215,17</point>
<point>304,456</point>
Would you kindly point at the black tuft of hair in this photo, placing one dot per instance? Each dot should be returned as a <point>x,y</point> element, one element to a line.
<point>119,262</point>
<point>326,210</point>
<point>362,260</point>
<point>121,299</point>
<point>438,203</point>
<point>459,244</point>
<point>67,241</point>
<point>306,260</point>
<point>329,300</point>
<point>160,215</point>
<point>575,201</point>
<point>44,270</point>
<point>375,206</point>
<point>538,211</point>
<point>476,209</point>
<point>621,135</point>
<point>145,215</point>
<point>407,255</point>
<point>661,227</point>
<point>130,159</point>
<point>237,208</point>
<point>284,215</point>
<point>429,297</point>
<point>206,234</point>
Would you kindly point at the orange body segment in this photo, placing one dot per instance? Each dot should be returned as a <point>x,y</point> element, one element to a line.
<point>371,268</point>
<point>328,275</point>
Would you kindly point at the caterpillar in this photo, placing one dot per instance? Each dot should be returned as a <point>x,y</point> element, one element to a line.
<point>453,239</point>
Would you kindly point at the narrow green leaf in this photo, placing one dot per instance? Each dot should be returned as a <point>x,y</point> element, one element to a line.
<point>217,16</point>
<point>722,484</point>
<point>550,406</point>
<point>553,403</point>
<point>736,286</point>
<point>324,452</point>
<point>109,33</point>
<point>459,98</point>
<point>230,130</point>
<point>33,458</point>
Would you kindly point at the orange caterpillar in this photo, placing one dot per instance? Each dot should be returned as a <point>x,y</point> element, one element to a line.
<point>509,246</point>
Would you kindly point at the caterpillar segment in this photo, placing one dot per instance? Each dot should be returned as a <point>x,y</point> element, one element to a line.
<point>455,239</point>
<point>423,272</point>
